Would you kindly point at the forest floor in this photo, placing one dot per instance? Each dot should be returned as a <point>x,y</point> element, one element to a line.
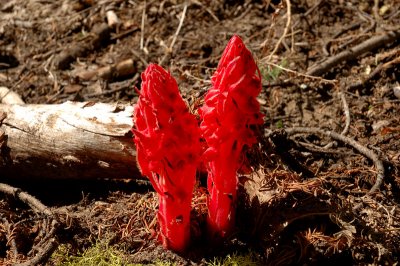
<point>330,152</point>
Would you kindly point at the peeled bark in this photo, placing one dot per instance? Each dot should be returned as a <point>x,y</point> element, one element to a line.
<point>69,140</point>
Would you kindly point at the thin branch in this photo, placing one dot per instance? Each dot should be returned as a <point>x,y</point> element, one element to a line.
<point>285,31</point>
<point>142,26</point>
<point>179,26</point>
<point>356,145</point>
<point>121,86</point>
<point>28,199</point>
<point>347,123</point>
<point>381,67</point>
<point>42,255</point>
<point>10,238</point>
<point>141,58</point>
<point>49,243</point>
<point>171,46</point>
<point>330,81</point>
<point>346,113</point>
<point>352,53</point>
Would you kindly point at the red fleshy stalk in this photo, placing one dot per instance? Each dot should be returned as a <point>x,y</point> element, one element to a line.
<point>229,117</point>
<point>167,139</point>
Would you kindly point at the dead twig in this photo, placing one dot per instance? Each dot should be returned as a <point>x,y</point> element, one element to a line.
<point>176,33</point>
<point>10,230</point>
<point>195,2</point>
<point>179,26</point>
<point>346,113</point>
<point>285,31</point>
<point>45,247</point>
<point>333,81</point>
<point>28,199</point>
<point>142,26</point>
<point>347,123</point>
<point>381,67</point>
<point>99,35</point>
<point>308,12</point>
<point>325,48</point>
<point>124,34</point>
<point>43,254</point>
<point>144,61</point>
<point>120,69</point>
<point>119,87</point>
<point>352,53</point>
<point>351,142</point>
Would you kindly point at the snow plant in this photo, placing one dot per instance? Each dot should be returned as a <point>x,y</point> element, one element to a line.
<point>230,116</point>
<point>167,139</point>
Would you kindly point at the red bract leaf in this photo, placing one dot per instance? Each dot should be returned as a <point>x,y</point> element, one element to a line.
<point>229,116</point>
<point>167,139</point>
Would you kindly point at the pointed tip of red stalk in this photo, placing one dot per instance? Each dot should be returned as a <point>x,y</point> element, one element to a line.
<point>229,114</point>
<point>167,138</point>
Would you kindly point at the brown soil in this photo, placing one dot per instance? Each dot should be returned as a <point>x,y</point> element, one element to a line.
<point>321,210</point>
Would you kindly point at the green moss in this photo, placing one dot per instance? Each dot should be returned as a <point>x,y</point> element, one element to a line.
<point>248,259</point>
<point>279,124</point>
<point>165,263</point>
<point>100,254</point>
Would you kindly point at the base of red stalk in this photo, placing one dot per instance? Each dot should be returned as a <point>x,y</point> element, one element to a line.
<point>221,217</point>
<point>174,221</point>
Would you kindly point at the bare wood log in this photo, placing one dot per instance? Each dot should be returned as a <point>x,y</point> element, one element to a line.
<point>69,140</point>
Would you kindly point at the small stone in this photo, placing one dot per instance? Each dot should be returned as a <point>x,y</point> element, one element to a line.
<point>396,91</point>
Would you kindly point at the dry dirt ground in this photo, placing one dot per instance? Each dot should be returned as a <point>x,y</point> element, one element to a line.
<point>328,66</point>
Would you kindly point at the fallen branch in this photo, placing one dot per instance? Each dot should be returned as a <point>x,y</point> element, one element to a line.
<point>116,87</point>
<point>69,140</point>
<point>381,67</point>
<point>48,244</point>
<point>349,141</point>
<point>347,123</point>
<point>99,35</point>
<point>350,54</point>
<point>121,69</point>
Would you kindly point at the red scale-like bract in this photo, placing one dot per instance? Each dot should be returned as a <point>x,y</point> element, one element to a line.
<point>229,116</point>
<point>167,138</point>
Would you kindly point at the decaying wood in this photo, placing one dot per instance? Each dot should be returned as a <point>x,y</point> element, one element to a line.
<point>121,69</point>
<point>69,140</point>
<point>9,97</point>
<point>99,35</point>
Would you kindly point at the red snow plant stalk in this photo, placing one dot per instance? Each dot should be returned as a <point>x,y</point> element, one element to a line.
<point>167,139</point>
<point>230,115</point>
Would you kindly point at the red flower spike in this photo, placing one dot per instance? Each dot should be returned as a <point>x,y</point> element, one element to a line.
<point>167,139</point>
<point>229,116</point>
